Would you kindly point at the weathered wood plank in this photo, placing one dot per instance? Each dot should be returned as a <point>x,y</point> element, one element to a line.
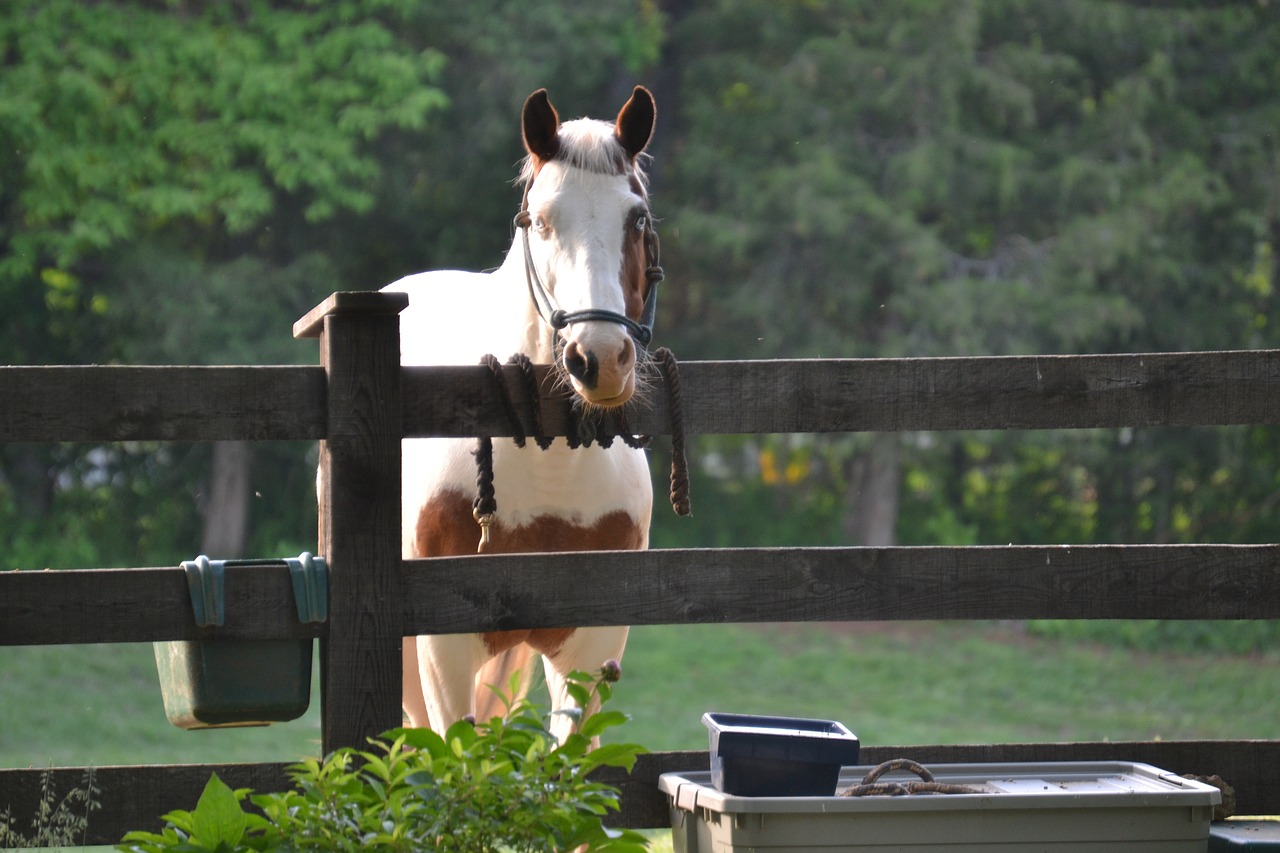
<point>366,303</point>
<point>135,797</point>
<point>120,403</point>
<point>675,587</point>
<point>680,586</point>
<point>116,403</point>
<point>884,395</point>
<point>456,594</point>
<point>141,605</point>
<point>360,522</point>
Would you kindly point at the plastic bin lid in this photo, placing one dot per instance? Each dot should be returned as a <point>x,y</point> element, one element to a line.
<point>1005,786</point>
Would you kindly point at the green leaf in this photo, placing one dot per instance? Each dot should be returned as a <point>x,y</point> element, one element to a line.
<point>615,755</point>
<point>423,740</point>
<point>598,722</point>
<point>580,695</point>
<point>461,735</point>
<point>218,819</point>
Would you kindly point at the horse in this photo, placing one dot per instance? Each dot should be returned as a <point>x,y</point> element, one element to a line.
<point>572,292</point>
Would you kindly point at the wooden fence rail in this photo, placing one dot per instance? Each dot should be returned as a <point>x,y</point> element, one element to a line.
<point>721,397</point>
<point>678,587</point>
<point>360,403</point>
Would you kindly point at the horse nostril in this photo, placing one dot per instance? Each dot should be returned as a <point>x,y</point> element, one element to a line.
<point>581,366</point>
<point>627,354</point>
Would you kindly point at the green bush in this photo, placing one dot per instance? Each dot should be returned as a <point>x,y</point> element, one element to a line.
<point>501,785</point>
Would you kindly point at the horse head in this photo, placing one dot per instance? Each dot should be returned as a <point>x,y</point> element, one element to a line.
<point>589,244</point>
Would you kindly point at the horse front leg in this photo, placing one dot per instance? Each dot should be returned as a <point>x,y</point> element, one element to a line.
<point>585,650</point>
<point>411,698</point>
<point>447,667</point>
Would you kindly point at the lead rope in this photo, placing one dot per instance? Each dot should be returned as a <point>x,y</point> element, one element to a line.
<point>581,432</point>
<point>680,500</point>
<point>485,505</point>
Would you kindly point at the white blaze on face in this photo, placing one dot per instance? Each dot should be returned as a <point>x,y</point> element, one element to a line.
<point>578,226</point>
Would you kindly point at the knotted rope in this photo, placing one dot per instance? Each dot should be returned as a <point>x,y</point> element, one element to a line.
<point>485,505</point>
<point>584,429</point>
<point>680,500</point>
<point>871,787</point>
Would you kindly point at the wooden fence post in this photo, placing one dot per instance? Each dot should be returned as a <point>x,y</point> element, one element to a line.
<point>359,533</point>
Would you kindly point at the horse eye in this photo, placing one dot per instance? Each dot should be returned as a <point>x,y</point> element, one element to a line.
<point>539,224</point>
<point>642,222</point>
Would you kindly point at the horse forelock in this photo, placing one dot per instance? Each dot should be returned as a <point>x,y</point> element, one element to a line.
<point>592,146</point>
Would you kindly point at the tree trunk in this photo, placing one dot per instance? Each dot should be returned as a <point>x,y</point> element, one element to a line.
<point>226,510</point>
<point>875,488</point>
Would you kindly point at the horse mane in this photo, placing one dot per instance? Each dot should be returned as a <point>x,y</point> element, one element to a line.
<point>592,146</point>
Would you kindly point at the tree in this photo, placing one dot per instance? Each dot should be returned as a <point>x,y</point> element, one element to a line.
<point>980,177</point>
<point>191,177</point>
<point>453,196</point>
<point>203,122</point>
<point>214,137</point>
<point>836,178</point>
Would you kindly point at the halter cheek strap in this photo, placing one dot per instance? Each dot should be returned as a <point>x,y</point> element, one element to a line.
<point>558,318</point>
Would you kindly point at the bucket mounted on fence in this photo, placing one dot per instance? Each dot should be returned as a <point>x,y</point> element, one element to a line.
<point>224,683</point>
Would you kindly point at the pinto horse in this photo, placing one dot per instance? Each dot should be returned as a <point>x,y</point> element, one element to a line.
<point>572,292</point>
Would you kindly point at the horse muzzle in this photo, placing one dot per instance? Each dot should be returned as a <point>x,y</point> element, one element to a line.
<point>601,368</point>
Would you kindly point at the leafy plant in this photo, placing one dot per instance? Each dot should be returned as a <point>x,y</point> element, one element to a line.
<point>505,784</point>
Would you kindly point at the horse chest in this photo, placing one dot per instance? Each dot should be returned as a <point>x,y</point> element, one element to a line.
<point>446,527</point>
<point>554,500</point>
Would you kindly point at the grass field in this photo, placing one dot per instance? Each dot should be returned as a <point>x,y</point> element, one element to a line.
<point>901,684</point>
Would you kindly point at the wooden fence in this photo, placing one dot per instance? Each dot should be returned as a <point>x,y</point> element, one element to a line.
<point>360,402</point>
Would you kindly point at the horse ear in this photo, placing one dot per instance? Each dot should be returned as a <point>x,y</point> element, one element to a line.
<point>634,128</point>
<point>540,126</point>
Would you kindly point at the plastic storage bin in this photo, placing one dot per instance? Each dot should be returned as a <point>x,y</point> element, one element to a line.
<point>753,756</point>
<point>1233,835</point>
<point>1067,807</point>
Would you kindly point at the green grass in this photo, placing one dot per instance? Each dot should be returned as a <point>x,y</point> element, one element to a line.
<point>939,683</point>
<point>899,684</point>
<point>101,705</point>
<point>892,684</point>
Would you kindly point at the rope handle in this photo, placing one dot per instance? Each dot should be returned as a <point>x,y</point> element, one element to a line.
<point>872,787</point>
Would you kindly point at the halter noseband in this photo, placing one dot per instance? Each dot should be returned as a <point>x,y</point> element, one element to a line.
<point>558,318</point>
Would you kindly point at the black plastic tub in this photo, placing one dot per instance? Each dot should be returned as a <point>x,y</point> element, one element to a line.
<point>754,756</point>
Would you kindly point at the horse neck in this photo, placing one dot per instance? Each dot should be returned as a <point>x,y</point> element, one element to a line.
<point>530,334</point>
